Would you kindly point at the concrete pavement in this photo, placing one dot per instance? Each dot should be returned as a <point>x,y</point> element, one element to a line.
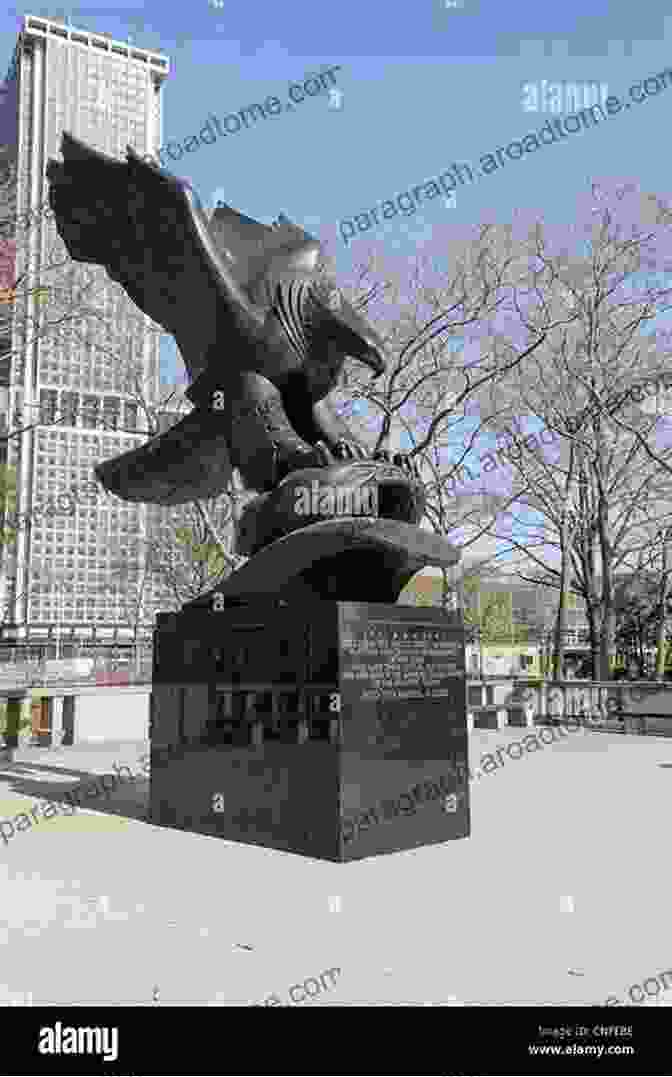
<point>561,895</point>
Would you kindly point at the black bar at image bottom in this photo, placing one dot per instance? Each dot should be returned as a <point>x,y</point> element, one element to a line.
<point>426,1037</point>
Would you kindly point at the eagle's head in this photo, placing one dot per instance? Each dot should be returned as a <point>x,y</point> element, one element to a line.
<point>334,318</point>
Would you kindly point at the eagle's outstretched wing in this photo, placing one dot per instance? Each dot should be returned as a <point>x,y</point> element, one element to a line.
<point>211,284</point>
<point>250,249</point>
<point>147,228</point>
<point>205,282</point>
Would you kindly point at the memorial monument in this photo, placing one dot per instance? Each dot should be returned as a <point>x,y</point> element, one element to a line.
<point>295,706</point>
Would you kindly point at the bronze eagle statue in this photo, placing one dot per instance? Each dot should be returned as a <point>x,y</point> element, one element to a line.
<point>262,332</point>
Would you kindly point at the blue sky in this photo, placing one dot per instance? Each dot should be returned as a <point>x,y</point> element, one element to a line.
<point>423,86</point>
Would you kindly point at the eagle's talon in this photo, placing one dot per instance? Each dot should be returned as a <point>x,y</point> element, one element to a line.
<point>401,460</point>
<point>323,451</point>
<point>349,450</point>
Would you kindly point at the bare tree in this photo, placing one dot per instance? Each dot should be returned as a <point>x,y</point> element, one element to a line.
<point>442,329</point>
<point>597,504</point>
<point>193,552</point>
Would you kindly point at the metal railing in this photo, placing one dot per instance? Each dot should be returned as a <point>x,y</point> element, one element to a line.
<point>35,676</point>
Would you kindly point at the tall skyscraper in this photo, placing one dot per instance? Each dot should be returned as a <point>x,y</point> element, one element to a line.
<point>75,388</point>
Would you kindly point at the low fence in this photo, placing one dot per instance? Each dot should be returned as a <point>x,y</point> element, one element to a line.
<point>35,678</point>
<point>62,716</point>
<point>65,714</point>
<point>628,707</point>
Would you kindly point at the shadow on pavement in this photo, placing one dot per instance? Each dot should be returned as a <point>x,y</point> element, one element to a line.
<point>128,797</point>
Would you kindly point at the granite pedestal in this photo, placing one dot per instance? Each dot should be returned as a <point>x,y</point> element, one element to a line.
<point>335,730</point>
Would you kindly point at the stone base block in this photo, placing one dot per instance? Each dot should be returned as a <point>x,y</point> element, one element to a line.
<point>334,730</point>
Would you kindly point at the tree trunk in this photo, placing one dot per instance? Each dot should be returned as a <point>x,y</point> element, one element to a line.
<point>608,618</point>
<point>607,642</point>
<point>567,530</point>
<point>664,591</point>
<point>594,640</point>
<point>561,619</point>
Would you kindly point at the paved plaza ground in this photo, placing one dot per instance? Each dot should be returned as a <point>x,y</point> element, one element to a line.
<point>561,894</point>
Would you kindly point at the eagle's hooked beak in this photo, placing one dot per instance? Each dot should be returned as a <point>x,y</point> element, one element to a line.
<point>373,359</point>
<point>358,339</point>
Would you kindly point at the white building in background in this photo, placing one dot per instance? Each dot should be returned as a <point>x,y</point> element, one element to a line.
<point>61,572</point>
